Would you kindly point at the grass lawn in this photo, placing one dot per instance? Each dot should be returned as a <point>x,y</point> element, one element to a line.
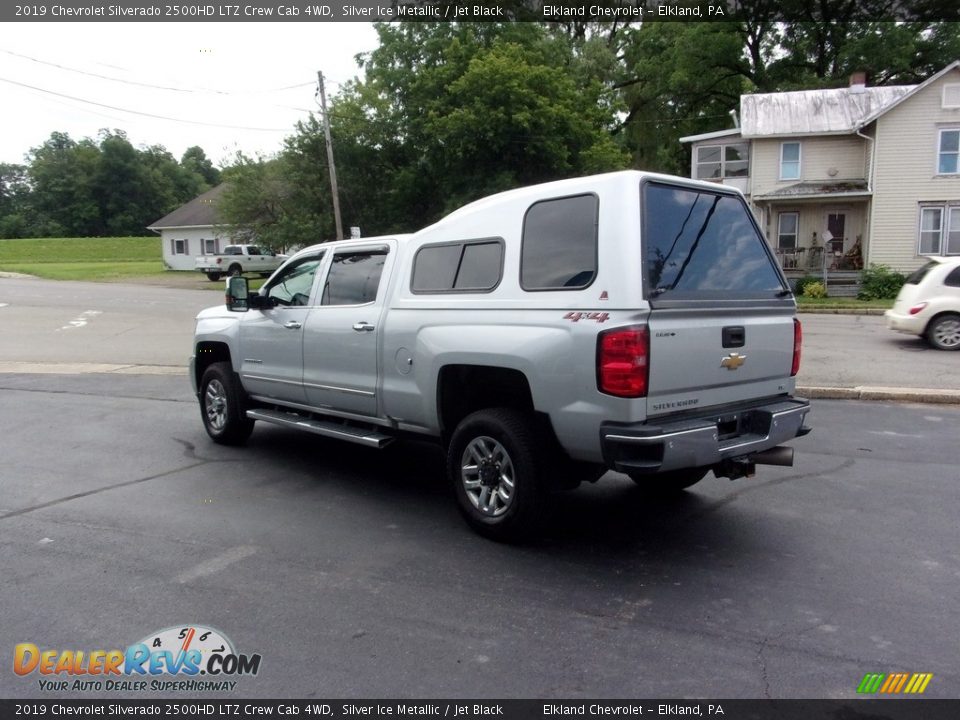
<point>109,259</point>
<point>83,258</point>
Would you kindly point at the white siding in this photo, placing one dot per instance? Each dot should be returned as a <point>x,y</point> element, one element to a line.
<point>846,154</point>
<point>906,173</point>
<point>193,238</point>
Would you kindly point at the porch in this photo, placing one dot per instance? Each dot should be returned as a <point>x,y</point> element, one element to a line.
<point>839,283</point>
<point>818,229</point>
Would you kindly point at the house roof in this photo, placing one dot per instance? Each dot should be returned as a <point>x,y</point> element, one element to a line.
<point>837,111</point>
<point>199,212</point>
<point>711,135</point>
<point>807,190</point>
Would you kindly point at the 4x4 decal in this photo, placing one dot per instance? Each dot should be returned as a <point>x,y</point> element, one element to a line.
<point>576,316</point>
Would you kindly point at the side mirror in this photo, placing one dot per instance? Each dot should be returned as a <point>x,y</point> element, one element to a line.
<point>238,293</point>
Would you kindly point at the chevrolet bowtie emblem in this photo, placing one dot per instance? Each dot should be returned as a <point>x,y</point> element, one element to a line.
<point>733,361</point>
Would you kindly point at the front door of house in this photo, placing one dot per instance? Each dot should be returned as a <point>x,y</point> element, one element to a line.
<point>837,227</point>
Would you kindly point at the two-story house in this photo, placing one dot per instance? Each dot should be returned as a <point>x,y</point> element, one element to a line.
<point>843,178</point>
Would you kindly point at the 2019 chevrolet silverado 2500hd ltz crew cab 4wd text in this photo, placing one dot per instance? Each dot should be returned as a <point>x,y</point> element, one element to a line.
<point>627,321</point>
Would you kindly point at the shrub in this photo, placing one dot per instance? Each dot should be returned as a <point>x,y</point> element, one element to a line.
<point>802,283</point>
<point>814,290</point>
<point>880,282</point>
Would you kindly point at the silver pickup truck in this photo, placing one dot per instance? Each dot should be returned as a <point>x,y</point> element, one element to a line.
<point>630,321</point>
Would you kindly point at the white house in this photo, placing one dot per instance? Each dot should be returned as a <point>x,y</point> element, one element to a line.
<point>847,177</point>
<point>191,230</point>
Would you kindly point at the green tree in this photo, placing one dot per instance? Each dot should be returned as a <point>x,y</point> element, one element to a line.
<point>449,112</point>
<point>62,174</point>
<point>195,161</point>
<point>263,203</point>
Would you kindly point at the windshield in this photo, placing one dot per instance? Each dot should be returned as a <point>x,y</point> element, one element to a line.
<point>701,244</point>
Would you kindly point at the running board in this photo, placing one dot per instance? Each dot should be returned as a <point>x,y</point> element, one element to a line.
<point>327,428</point>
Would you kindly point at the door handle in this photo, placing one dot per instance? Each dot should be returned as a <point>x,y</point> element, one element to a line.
<point>292,325</point>
<point>363,327</point>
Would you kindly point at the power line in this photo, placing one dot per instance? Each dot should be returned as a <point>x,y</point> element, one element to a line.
<point>138,112</point>
<point>151,85</point>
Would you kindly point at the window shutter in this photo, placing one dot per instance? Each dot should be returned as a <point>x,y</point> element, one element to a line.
<point>186,247</point>
<point>173,246</point>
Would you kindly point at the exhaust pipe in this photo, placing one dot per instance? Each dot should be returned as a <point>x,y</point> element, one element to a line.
<point>780,455</point>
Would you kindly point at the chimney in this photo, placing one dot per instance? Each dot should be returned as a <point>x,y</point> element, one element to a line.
<point>858,83</point>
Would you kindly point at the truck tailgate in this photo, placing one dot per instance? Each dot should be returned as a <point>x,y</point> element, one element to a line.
<point>699,360</point>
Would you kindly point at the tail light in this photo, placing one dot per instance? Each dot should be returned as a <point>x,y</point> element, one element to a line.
<point>917,308</point>
<point>797,344</point>
<point>623,361</point>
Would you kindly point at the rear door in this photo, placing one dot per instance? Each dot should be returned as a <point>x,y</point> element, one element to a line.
<point>340,347</point>
<point>722,315</point>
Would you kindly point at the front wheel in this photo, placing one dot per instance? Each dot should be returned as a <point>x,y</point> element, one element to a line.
<point>944,332</point>
<point>213,276</point>
<point>494,466</point>
<point>223,405</point>
<point>671,481</point>
<point>235,270</point>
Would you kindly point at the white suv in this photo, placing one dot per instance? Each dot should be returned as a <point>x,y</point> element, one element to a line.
<point>929,304</point>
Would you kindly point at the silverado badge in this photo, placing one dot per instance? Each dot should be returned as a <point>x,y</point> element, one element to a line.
<point>733,361</point>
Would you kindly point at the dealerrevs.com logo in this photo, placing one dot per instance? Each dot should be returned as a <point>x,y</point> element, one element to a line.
<point>188,658</point>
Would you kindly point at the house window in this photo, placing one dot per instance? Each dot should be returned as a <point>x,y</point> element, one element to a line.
<point>787,226</point>
<point>722,161</point>
<point>939,230</point>
<point>953,231</point>
<point>949,152</point>
<point>209,247</point>
<point>790,161</point>
<point>951,96</point>
<point>180,247</point>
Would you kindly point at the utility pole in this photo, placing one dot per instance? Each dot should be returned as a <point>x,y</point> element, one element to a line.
<point>333,168</point>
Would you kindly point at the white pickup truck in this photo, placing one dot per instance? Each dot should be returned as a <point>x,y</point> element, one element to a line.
<point>629,322</point>
<point>238,259</point>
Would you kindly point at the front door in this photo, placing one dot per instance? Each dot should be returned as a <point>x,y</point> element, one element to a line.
<point>271,339</point>
<point>341,335</point>
<point>837,227</point>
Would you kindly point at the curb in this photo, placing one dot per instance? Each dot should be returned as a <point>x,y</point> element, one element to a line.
<point>840,311</point>
<point>863,392</point>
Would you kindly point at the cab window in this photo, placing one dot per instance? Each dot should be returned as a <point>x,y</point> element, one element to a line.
<point>292,286</point>
<point>354,277</point>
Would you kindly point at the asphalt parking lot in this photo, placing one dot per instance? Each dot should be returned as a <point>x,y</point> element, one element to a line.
<point>351,573</point>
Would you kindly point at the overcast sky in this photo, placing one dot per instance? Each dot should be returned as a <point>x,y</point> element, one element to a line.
<point>225,75</point>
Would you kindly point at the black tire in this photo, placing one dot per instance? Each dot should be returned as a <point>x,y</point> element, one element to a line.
<point>235,270</point>
<point>672,481</point>
<point>223,405</point>
<point>213,276</point>
<point>943,332</point>
<point>508,444</point>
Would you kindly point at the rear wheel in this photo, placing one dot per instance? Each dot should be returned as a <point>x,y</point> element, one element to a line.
<point>235,270</point>
<point>223,405</point>
<point>670,481</point>
<point>213,276</point>
<point>494,465</point>
<point>943,332</point>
